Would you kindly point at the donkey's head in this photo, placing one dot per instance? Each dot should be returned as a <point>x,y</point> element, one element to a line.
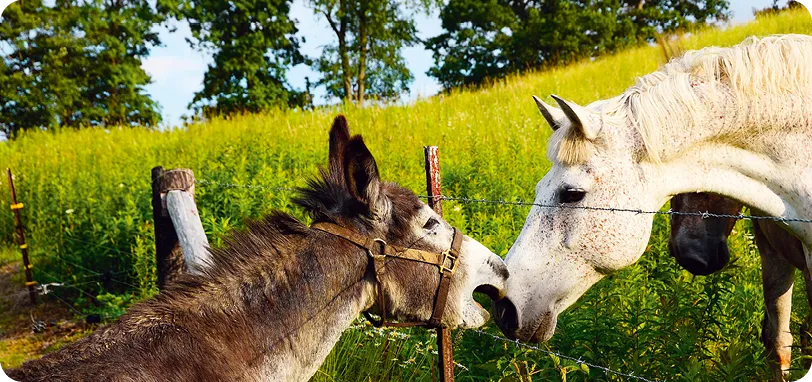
<point>351,194</point>
<point>700,245</point>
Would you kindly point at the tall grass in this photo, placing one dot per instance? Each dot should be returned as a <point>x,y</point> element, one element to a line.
<point>88,214</point>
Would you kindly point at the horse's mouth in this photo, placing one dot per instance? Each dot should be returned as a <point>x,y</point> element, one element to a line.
<point>539,330</point>
<point>544,328</point>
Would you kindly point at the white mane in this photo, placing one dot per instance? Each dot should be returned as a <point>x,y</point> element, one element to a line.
<point>774,65</point>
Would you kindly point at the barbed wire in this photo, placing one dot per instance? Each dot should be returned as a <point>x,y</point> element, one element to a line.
<point>204,182</point>
<point>521,203</point>
<point>670,212</point>
<point>97,245</point>
<point>42,289</point>
<point>559,355</point>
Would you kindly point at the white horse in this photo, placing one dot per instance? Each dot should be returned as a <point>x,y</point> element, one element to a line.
<point>732,121</point>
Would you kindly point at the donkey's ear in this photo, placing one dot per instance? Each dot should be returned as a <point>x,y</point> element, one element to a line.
<point>577,116</point>
<point>361,176</point>
<point>339,136</point>
<point>552,114</point>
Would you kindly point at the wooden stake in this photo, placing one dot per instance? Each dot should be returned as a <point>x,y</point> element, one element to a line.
<point>434,189</point>
<point>16,207</point>
<point>182,210</point>
<point>180,242</point>
<point>168,253</point>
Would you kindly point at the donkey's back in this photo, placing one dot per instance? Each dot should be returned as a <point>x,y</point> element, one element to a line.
<point>144,348</point>
<point>167,356</point>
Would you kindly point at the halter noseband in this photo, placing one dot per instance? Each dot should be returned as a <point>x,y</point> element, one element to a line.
<point>378,250</point>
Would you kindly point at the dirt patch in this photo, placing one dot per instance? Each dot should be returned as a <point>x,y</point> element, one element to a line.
<point>28,332</point>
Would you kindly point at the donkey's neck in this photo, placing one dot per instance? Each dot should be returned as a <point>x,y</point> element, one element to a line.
<point>317,306</point>
<point>298,352</point>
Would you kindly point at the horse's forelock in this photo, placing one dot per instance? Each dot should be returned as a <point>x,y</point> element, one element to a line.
<point>569,147</point>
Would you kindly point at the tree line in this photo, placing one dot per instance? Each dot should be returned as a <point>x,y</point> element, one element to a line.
<point>77,63</point>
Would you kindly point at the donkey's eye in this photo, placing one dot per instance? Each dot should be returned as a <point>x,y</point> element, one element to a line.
<point>431,223</point>
<point>571,195</point>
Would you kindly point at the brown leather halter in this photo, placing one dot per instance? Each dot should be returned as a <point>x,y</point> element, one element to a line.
<point>378,250</point>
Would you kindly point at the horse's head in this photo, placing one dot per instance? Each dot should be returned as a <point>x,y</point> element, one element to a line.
<point>350,193</point>
<point>565,248</point>
<point>700,245</point>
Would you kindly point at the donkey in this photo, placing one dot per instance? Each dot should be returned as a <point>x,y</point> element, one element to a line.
<point>279,294</point>
<point>733,121</point>
<point>700,246</point>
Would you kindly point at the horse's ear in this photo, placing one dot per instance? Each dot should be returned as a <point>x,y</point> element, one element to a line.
<point>339,136</point>
<point>551,114</point>
<point>577,115</point>
<point>361,176</point>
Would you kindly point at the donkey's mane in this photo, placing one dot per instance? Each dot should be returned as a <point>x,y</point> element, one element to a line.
<point>757,67</point>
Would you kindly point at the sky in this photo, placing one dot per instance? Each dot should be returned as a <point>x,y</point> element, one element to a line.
<point>177,70</point>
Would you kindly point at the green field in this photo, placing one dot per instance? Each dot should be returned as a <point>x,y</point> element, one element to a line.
<point>88,215</point>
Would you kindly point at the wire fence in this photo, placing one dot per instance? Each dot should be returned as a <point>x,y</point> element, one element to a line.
<point>578,360</point>
<point>44,288</point>
<point>521,203</point>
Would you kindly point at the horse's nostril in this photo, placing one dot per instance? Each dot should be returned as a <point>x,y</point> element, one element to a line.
<point>506,317</point>
<point>694,264</point>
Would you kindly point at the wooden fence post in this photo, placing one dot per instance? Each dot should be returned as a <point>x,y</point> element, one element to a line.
<point>180,242</point>
<point>434,189</point>
<point>29,281</point>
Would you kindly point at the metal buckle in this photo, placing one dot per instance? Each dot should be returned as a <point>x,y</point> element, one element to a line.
<point>447,255</point>
<point>378,258</point>
<point>383,244</point>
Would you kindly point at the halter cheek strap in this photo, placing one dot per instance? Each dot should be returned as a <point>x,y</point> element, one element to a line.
<point>378,250</point>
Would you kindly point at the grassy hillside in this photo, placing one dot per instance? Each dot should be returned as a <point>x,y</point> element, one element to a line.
<point>88,214</point>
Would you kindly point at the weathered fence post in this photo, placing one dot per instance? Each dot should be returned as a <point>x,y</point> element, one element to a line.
<point>29,281</point>
<point>180,242</point>
<point>434,191</point>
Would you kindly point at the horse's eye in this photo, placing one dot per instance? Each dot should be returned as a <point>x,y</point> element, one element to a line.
<point>571,195</point>
<point>431,223</point>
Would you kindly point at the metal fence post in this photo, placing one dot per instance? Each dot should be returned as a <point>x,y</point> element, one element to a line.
<point>16,207</point>
<point>434,190</point>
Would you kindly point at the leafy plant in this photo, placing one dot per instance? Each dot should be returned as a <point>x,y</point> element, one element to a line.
<point>88,203</point>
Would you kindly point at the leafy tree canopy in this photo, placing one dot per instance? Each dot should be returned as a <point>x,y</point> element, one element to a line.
<point>76,63</point>
<point>253,44</point>
<point>490,38</point>
<point>367,59</point>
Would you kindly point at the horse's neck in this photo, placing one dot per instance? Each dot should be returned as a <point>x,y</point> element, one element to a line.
<point>756,151</point>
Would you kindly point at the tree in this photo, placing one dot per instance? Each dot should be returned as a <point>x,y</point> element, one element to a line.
<point>253,42</point>
<point>118,35</point>
<point>33,89</point>
<point>492,38</point>
<point>75,64</point>
<point>372,34</point>
<point>775,8</point>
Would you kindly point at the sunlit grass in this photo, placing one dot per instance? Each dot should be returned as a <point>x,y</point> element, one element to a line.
<point>87,196</point>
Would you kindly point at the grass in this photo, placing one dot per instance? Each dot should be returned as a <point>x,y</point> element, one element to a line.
<point>88,214</point>
<point>17,341</point>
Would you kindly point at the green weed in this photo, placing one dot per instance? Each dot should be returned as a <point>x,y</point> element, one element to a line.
<point>88,216</point>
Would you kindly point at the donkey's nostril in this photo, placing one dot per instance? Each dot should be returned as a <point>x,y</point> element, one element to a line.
<point>491,291</point>
<point>506,317</point>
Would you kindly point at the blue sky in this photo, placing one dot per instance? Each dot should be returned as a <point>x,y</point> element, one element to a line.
<point>177,70</point>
